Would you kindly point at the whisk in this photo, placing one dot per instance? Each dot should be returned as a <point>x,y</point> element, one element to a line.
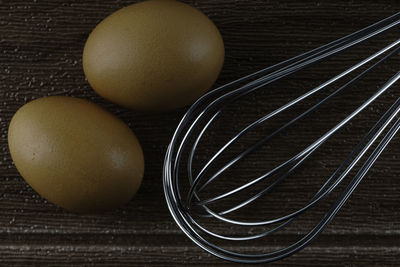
<point>184,203</point>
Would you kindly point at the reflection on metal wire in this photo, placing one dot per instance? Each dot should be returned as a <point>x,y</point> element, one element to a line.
<point>202,114</point>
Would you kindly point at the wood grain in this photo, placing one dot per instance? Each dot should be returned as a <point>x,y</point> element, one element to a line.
<point>40,54</point>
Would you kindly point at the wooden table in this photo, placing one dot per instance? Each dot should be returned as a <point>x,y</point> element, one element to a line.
<point>41,44</point>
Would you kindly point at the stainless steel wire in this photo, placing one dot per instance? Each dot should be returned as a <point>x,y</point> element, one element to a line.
<point>200,116</point>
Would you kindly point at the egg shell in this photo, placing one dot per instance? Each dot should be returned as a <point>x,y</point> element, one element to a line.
<point>154,55</point>
<point>75,154</point>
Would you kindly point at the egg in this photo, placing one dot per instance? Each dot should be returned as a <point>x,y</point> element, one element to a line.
<point>154,55</point>
<point>75,154</point>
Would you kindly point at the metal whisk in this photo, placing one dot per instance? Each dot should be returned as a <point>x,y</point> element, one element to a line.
<point>193,213</point>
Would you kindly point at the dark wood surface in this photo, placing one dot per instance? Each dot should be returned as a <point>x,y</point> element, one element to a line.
<point>41,44</point>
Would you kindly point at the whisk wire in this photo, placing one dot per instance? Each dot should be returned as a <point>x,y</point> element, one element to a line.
<point>263,119</point>
<point>314,146</point>
<point>275,112</point>
<point>319,53</point>
<point>211,105</point>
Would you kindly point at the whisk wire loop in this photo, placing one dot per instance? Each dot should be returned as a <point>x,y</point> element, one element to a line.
<point>203,113</point>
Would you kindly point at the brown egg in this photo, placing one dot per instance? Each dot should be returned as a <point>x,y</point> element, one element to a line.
<point>75,154</point>
<point>154,55</point>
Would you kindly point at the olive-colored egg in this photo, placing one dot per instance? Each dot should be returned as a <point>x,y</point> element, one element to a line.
<point>75,154</point>
<point>154,55</point>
